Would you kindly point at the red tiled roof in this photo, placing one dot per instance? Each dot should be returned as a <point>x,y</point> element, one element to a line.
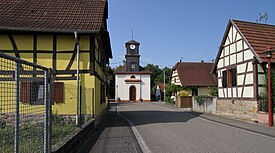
<point>80,15</point>
<point>259,36</point>
<point>195,74</point>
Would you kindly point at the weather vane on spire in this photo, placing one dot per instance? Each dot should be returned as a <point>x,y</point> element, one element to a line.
<point>132,30</point>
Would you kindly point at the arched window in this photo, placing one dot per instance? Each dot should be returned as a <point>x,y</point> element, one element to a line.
<point>132,77</point>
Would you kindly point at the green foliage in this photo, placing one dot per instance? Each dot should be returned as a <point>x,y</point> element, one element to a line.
<point>61,127</point>
<point>2,124</point>
<point>169,100</point>
<point>157,76</point>
<point>111,82</point>
<point>263,105</point>
<point>213,91</point>
<point>201,99</point>
<point>172,89</point>
<point>183,93</point>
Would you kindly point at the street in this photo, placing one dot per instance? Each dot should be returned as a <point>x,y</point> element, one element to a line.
<point>166,130</point>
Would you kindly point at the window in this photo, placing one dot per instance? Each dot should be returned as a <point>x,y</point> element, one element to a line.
<point>229,78</point>
<point>224,79</point>
<point>133,66</point>
<point>132,77</point>
<point>175,80</point>
<point>32,92</point>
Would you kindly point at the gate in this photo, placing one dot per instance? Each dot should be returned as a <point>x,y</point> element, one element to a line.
<point>25,106</point>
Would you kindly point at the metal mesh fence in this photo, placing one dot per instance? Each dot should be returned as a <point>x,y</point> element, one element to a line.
<point>24,106</point>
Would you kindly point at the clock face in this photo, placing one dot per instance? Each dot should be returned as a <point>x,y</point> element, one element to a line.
<point>132,46</point>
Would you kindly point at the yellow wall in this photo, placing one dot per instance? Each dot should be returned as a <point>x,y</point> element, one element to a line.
<point>64,43</point>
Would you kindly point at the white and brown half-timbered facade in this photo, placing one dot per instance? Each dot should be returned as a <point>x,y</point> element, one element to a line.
<point>240,67</point>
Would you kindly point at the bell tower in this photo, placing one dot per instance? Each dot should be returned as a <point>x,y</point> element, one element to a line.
<point>132,56</point>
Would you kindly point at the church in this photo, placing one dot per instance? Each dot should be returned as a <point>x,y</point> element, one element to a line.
<point>132,82</point>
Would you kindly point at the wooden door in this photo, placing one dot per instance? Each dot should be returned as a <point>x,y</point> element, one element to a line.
<point>132,93</point>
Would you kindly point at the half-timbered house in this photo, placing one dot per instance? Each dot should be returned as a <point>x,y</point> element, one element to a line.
<point>241,66</point>
<point>50,33</point>
<point>196,77</point>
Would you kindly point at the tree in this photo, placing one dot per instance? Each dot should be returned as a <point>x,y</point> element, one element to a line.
<point>111,82</point>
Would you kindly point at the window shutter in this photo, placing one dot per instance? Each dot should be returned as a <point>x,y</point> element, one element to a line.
<point>234,77</point>
<point>25,92</point>
<point>58,91</point>
<point>224,78</point>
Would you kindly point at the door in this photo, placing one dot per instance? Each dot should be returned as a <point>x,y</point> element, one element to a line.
<point>132,93</point>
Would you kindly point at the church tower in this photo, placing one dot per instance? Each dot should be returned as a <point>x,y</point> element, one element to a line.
<point>132,82</point>
<point>132,56</point>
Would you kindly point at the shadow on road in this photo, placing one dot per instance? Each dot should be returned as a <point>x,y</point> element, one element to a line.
<point>111,135</point>
<point>143,117</point>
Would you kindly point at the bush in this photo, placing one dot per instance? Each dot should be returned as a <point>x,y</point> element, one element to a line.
<point>201,99</point>
<point>183,93</point>
<point>170,100</point>
<point>213,91</point>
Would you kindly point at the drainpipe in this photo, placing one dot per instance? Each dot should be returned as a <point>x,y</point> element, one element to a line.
<point>77,79</point>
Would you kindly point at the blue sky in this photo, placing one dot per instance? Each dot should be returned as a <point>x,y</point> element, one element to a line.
<point>171,29</point>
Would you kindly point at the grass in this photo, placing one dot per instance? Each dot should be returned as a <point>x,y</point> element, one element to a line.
<point>31,135</point>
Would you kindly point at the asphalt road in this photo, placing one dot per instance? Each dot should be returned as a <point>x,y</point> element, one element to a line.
<point>167,131</point>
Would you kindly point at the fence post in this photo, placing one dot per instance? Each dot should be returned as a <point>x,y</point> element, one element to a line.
<point>48,104</point>
<point>17,117</point>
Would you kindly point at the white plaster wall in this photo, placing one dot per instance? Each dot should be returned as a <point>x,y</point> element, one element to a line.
<point>241,68</point>
<point>249,78</point>
<point>248,92</point>
<point>240,79</point>
<point>203,91</point>
<point>239,57</point>
<point>122,88</point>
<point>145,87</point>
<point>220,93</point>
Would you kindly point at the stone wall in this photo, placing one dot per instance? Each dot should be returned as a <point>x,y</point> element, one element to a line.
<point>208,106</point>
<point>241,109</point>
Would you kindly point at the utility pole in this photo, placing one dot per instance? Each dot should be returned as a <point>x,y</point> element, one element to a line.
<point>164,85</point>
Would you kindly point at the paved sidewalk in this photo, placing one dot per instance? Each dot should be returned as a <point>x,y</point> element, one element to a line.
<point>249,126</point>
<point>113,135</point>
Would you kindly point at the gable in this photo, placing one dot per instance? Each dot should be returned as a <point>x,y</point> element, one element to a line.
<point>234,42</point>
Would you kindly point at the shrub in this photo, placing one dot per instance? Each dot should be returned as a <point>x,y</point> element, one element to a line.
<point>183,93</point>
<point>201,99</point>
<point>170,100</point>
<point>213,91</point>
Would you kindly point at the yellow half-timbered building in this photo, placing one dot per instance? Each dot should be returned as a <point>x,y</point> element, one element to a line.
<point>68,36</point>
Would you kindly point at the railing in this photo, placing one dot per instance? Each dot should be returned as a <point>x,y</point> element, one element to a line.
<point>25,106</point>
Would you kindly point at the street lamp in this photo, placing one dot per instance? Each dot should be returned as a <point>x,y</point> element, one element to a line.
<point>270,113</point>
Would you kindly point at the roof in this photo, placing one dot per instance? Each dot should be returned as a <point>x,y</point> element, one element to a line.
<point>122,70</point>
<point>258,35</point>
<point>53,15</point>
<point>132,42</point>
<point>195,74</point>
